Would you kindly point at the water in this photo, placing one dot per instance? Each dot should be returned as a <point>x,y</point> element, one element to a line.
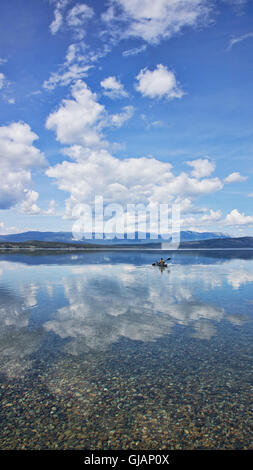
<point>104,351</point>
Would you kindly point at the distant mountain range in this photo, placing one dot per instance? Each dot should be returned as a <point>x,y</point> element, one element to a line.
<point>219,243</point>
<point>67,237</point>
<point>243,243</point>
<point>64,241</point>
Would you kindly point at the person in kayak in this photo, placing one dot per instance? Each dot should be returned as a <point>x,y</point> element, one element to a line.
<point>161,262</point>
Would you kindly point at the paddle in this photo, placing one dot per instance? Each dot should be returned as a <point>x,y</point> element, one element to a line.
<point>157,262</point>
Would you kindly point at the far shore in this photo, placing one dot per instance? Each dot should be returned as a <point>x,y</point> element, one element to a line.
<point>212,244</point>
<point>116,248</point>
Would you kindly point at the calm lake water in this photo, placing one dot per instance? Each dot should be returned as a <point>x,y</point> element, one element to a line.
<point>104,351</point>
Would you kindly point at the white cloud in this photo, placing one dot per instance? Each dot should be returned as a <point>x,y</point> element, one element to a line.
<point>113,88</point>
<point>237,4</point>
<point>51,208</point>
<point>76,120</point>
<point>29,204</point>
<point>58,15</point>
<point>134,51</point>
<point>132,180</point>
<point>205,220</point>
<point>71,53</point>
<point>79,14</point>
<point>236,218</point>
<point>158,83</point>
<point>234,41</point>
<point>2,80</point>
<point>98,172</point>
<point>83,319</point>
<point>154,20</point>
<point>81,119</point>
<point>74,18</point>
<point>78,61</point>
<point>153,124</point>
<point>74,68</point>
<point>158,124</point>
<point>4,88</point>
<point>186,185</point>
<point>18,156</point>
<point>7,230</point>
<point>92,170</point>
<point>212,216</point>
<point>118,120</point>
<point>56,24</point>
<point>215,218</point>
<point>235,177</point>
<point>5,85</point>
<point>201,167</point>
<point>66,76</point>
<point>16,147</point>
<point>237,277</point>
<point>76,53</point>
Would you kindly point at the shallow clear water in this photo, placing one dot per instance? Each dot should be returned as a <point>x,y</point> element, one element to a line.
<point>104,351</point>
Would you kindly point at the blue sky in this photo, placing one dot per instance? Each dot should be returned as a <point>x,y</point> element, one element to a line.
<point>140,102</point>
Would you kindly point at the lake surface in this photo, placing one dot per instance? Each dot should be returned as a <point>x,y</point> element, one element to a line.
<point>104,351</point>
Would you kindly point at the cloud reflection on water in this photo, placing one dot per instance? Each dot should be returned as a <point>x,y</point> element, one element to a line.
<point>102,303</point>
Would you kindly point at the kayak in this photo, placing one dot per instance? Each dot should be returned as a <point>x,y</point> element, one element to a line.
<point>160,265</point>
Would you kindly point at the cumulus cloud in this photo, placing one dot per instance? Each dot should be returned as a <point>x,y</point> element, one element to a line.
<point>51,208</point>
<point>80,120</point>
<point>76,120</point>
<point>29,204</point>
<point>236,218</point>
<point>133,180</point>
<point>90,169</point>
<point>158,83</point>
<point>201,167</point>
<point>98,172</point>
<point>18,156</point>
<point>113,88</point>
<point>235,177</point>
<point>208,218</point>
<point>153,21</point>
